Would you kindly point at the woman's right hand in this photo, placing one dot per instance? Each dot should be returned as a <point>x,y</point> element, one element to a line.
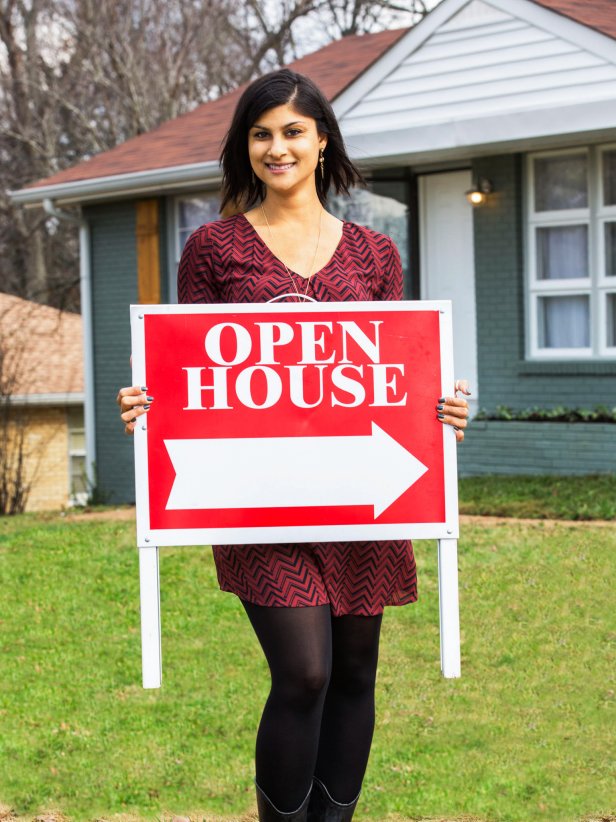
<point>133,401</point>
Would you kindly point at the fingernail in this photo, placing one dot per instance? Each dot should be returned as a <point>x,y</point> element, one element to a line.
<point>440,416</point>
<point>455,428</point>
<point>146,407</point>
<point>149,399</point>
<point>439,407</point>
<point>134,419</point>
<point>441,399</point>
<point>144,388</point>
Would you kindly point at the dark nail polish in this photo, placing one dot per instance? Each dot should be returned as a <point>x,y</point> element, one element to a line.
<point>439,407</point>
<point>149,399</point>
<point>146,407</point>
<point>441,399</point>
<point>455,428</point>
<point>144,388</point>
<point>440,416</point>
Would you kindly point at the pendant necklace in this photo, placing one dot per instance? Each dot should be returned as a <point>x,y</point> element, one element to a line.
<point>300,297</point>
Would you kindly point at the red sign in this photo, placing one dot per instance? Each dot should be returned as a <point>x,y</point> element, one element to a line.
<point>293,422</point>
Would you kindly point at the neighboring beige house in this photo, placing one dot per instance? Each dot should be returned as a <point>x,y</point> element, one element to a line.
<point>41,401</point>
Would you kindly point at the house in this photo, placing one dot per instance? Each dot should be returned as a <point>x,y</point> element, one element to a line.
<point>41,404</point>
<point>513,100</point>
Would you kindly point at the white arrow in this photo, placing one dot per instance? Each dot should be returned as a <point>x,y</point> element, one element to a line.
<point>283,472</point>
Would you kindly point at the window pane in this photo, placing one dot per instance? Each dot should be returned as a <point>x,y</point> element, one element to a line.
<point>609,177</point>
<point>76,440</point>
<point>78,475</point>
<point>611,320</point>
<point>383,208</point>
<point>561,182</point>
<point>564,322</point>
<point>74,416</point>
<point>610,249</point>
<point>562,252</point>
<point>184,234</point>
<point>194,211</point>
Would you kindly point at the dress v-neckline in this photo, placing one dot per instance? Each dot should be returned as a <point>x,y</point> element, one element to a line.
<point>294,273</point>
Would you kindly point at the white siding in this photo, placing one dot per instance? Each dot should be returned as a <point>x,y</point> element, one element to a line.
<point>483,61</point>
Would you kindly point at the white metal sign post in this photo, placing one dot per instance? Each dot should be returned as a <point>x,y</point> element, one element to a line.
<point>294,423</point>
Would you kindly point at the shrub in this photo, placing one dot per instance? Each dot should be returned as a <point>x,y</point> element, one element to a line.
<point>601,413</point>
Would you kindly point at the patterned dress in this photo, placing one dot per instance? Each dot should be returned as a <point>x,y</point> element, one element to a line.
<point>228,262</point>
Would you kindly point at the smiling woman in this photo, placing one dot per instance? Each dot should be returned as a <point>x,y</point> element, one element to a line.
<point>315,608</point>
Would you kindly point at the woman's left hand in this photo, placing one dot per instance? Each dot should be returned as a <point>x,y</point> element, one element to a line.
<point>454,410</point>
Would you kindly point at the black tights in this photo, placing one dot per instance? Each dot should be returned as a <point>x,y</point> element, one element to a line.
<point>319,716</point>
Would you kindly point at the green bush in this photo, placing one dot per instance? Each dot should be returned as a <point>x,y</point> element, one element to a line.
<point>601,413</point>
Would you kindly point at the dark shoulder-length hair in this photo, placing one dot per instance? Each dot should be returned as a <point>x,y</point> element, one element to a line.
<point>239,184</point>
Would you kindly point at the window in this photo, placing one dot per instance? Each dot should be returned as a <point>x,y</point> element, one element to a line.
<point>191,212</point>
<point>384,207</point>
<point>78,482</point>
<point>572,253</point>
<point>186,213</point>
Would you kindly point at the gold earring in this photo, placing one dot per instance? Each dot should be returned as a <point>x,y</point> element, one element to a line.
<point>322,161</point>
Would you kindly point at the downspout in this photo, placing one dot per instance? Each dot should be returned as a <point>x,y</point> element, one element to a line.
<point>85,290</point>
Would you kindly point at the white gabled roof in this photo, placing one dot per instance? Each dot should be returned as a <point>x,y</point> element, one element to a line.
<point>482,73</point>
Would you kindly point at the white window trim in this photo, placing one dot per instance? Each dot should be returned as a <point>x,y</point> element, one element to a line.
<point>597,286</point>
<point>606,284</point>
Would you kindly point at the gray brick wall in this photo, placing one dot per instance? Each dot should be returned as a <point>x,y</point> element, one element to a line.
<point>493,447</point>
<point>114,287</point>
<point>505,378</point>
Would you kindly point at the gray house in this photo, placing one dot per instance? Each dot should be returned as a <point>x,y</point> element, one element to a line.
<point>511,104</point>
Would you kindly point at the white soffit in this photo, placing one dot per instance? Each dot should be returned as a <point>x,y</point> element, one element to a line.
<point>478,72</point>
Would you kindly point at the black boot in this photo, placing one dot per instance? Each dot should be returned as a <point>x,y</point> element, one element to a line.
<point>270,813</point>
<point>323,808</point>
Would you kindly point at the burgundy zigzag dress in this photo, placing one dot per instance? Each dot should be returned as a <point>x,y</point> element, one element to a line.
<point>227,262</point>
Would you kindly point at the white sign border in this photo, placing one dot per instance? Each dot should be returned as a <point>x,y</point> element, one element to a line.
<point>147,536</point>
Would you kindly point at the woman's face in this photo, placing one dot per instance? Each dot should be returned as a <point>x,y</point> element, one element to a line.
<point>283,147</point>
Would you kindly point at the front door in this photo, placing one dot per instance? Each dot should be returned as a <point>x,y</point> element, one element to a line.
<point>448,264</point>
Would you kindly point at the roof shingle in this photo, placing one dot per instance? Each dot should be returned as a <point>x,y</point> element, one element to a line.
<point>597,14</point>
<point>40,349</point>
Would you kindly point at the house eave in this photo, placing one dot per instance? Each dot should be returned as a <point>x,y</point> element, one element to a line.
<point>113,187</point>
<point>509,132</point>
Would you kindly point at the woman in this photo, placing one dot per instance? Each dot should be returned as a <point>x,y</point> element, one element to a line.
<point>318,628</point>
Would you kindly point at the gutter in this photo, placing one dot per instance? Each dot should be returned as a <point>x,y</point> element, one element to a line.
<point>110,187</point>
<point>85,290</point>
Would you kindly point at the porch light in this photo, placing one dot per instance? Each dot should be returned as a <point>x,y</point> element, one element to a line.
<point>477,195</point>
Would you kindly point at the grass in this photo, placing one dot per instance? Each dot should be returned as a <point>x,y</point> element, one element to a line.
<point>527,733</point>
<point>540,497</point>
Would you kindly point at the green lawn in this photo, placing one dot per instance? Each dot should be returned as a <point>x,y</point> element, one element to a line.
<point>527,733</point>
<point>538,497</point>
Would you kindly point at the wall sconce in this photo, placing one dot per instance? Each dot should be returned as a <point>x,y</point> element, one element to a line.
<point>477,195</point>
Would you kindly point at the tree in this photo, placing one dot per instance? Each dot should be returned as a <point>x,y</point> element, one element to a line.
<point>78,77</point>
<point>357,17</point>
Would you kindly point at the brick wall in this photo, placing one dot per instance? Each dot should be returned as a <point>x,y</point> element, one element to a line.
<point>45,454</point>
<point>494,447</point>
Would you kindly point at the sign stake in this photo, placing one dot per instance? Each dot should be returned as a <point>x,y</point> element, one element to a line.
<point>151,658</point>
<point>449,608</point>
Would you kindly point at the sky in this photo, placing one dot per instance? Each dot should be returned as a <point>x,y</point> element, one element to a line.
<point>310,37</point>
